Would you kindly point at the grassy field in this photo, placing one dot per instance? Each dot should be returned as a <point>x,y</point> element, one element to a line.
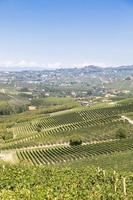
<point>121,161</point>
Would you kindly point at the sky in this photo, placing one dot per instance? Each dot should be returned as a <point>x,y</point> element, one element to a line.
<point>65,33</point>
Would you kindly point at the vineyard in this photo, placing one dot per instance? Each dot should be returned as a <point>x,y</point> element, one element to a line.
<point>63,171</point>
<point>28,133</point>
<point>39,183</point>
<point>95,117</point>
<point>66,100</point>
<point>64,154</point>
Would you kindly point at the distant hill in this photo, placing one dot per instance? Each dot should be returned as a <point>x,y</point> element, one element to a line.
<point>89,68</point>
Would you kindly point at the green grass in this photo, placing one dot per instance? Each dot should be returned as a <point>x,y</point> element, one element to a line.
<point>52,101</point>
<point>122,161</point>
<point>130,115</point>
<point>125,101</point>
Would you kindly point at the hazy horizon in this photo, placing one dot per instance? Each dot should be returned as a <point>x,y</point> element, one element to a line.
<point>20,69</point>
<point>62,34</point>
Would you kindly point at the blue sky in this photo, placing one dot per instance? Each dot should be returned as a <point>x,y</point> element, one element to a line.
<point>66,33</point>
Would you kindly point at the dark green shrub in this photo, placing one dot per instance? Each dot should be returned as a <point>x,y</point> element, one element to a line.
<point>121,133</point>
<point>75,142</point>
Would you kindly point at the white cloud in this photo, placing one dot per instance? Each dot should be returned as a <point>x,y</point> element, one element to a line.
<point>18,65</point>
<point>22,63</point>
<point>25,64</point>
<point>55,65</point>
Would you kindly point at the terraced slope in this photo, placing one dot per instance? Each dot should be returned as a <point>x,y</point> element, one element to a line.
<point>64,154</point>
<point>28,128</point>
<point>16,143</point>
<point>24,133</point>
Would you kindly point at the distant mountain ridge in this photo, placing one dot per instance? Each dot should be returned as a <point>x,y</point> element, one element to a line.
<point>91,68</point>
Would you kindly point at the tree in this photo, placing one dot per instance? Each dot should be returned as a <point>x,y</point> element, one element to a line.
<point>75,142</point>
<point>121,133</point>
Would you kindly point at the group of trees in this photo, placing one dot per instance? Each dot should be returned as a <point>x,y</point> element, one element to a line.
<point>7,108</point>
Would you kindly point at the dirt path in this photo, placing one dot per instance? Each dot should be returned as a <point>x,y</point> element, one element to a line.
<point>9,156</point>
<point>63,144</point>
<point>128,119</point>
<point>61,112</point>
